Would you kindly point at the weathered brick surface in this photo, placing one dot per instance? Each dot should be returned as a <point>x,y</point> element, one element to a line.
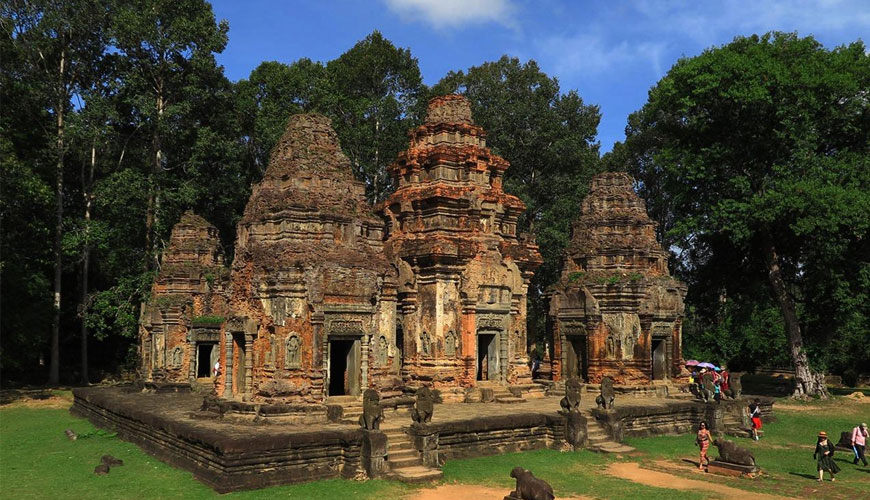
<point>189,284</point>
<point>309,268</point>
<point>463,270</point>
<point>615,291</point>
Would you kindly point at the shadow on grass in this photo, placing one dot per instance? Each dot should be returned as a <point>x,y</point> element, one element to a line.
<point>807,476</point>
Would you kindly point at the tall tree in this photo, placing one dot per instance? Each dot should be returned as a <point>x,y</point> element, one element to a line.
<point>166,45</point>
<point>374,95</point>
<point>265,100</point>
<point>61,39</point>
<point>760,149</point>
<point>549,138</point>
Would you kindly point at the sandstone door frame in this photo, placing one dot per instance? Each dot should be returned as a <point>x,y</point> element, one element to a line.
<point>660,357</point>
<point>577,363</point>
<point>349,348</point>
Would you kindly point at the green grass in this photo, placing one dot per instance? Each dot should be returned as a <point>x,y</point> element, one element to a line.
<point>37,461</point>
<point>785,453</point>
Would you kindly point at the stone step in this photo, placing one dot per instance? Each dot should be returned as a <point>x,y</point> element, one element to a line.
<point>401,463</point>
<point>398,446</point>
<point>394,455</point>
<point>509,400</point>
<point>612,447</point>
<point>417,474</point>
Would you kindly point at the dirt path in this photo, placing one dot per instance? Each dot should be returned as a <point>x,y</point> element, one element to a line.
<point>633,472</point>
<point>460,491</point>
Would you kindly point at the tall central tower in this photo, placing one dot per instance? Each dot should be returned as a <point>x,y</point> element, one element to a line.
<point>463,270</point>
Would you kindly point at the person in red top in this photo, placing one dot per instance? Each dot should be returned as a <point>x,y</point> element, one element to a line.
<point>859,443</point>
<point>725,384</point>
<point>755,416</point>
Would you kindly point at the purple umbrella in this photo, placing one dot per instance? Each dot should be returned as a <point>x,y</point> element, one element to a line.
<point>692,362</point>
<point>706,365</point>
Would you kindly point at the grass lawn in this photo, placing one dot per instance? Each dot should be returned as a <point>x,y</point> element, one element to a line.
<point>785,453</point>
<point>37,461</point>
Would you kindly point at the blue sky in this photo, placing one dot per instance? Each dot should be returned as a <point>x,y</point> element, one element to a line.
<point>611,52</point>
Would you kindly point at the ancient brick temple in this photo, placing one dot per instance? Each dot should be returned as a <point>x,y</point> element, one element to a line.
<point>312,295</point>
<point>617,311</point>
<point>463,270</point>
<point>180,324</point>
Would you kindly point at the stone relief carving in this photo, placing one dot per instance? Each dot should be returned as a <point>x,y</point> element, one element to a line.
<point>450,344</point>
<point>426,344</point>
<point>292,359</point>
<point>346,326</point>
<point>177,354</point>
<point>624,334</point>
<point>382,351</point>
<point>490,322</point>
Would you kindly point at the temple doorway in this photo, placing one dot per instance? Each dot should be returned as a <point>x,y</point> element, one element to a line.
<point>239,346</point>
<point>344,367</point>
<point>487,356</point>
<point>400,344</point>
<point>659,359</point>
<point>577,365</point>
<point>206,356</point>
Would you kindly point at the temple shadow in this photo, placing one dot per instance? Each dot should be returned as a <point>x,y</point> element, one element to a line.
<point>807,476</point>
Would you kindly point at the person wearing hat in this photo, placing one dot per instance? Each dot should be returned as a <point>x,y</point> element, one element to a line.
<point>825,455</point>
<point>859,443</point>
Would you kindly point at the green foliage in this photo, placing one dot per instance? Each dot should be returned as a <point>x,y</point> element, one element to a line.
<point>757,146</point>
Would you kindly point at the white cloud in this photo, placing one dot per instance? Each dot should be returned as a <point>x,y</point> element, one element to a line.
<point>455,13</point>
<point>590,55</point>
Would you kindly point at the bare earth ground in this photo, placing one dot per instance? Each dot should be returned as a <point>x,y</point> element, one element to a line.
<point>633,472</point>
<point>467,491</point>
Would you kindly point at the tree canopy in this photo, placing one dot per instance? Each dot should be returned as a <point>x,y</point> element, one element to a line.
<point>754,157</point>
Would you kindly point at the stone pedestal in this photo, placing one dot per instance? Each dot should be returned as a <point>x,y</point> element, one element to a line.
<point>511,497</point>
<point>729,469</point>
<point>374,452</point>
<point>575,430</point>
<point>715,416</point>
<point>425,441</point>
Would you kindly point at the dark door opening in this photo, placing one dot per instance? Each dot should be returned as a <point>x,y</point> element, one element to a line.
<point>578,361</point>
<point>205,359</point>
<point>239,363</point>
<point>400,344</point>
<point>487,356</point>
<point>344,367</point>
<point>658,359</point>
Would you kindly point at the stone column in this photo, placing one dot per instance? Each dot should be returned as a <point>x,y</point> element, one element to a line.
<point>468,334</point>
<point>425,441</point>
<point>575,430</point>
<point>228,369</point>
<point>364,362</point>
<point>249,366</point>
<point>374,452</point>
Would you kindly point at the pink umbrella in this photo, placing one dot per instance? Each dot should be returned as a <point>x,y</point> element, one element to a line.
<point>692,362</point>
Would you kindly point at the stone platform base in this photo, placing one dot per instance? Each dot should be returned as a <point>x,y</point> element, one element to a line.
<point>734,470</point>
<point>229,454</point>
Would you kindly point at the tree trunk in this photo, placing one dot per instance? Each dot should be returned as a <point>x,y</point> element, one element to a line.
<point>151,218</point>
<point>807,382</point>
<point>86,260</point>
<point>54,364</point>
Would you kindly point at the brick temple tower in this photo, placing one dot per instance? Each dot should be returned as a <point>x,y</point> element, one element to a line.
<point>617,311</point>
<point>312,295</point>
<point>186,294</point>
<point>463,270</point>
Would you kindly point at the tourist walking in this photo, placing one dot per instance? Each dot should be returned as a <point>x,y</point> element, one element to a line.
<point>859,443</point>
<point>703,442</point>
<point>726,384</point>
<point>755,417</point>
<point>825,455</point>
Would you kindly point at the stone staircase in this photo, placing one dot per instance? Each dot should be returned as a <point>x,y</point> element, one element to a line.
<point>599,440</point>
<point>500,393</point>
<point>403,460</point>
<point>351,408</point>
